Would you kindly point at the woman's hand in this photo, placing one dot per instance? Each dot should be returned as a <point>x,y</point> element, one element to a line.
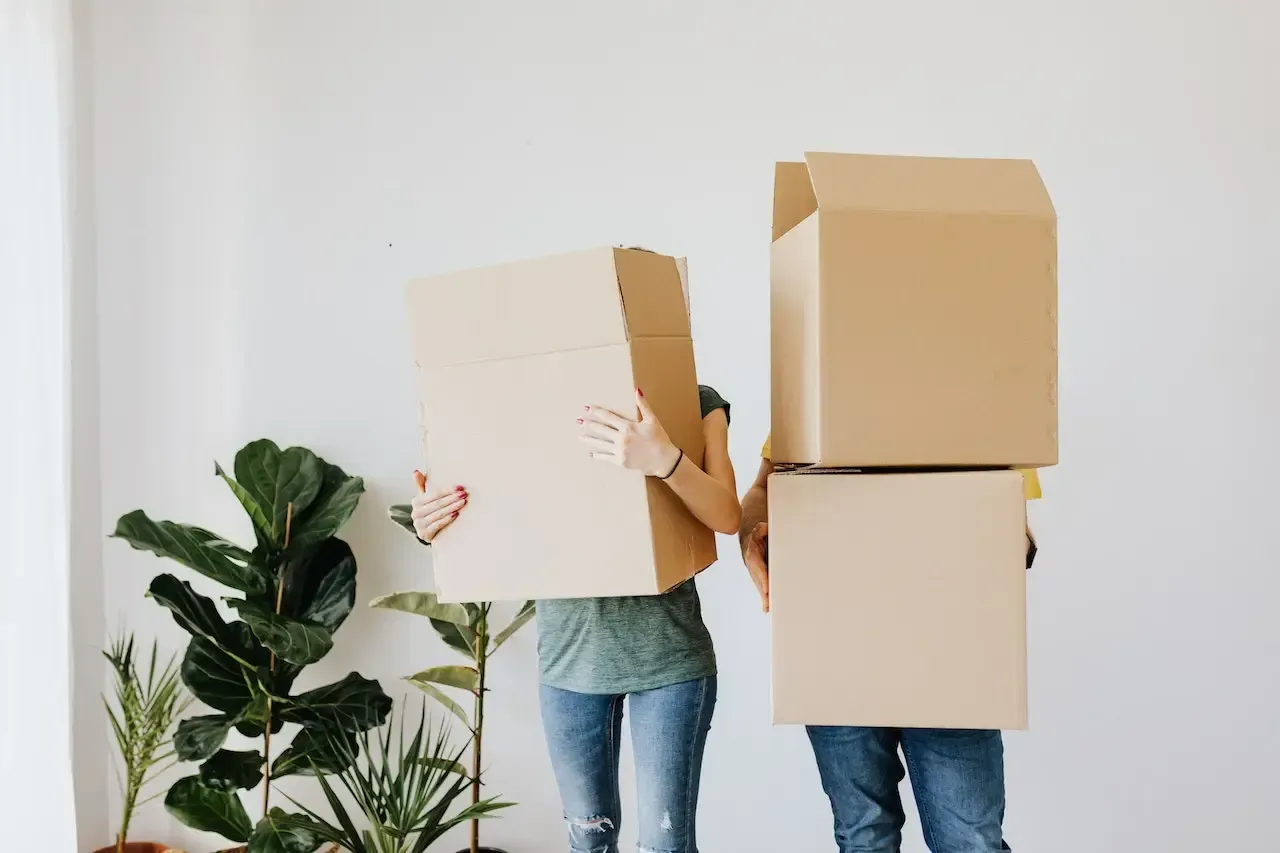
<point>755,555</point>
<point>436,511</point>
<point>640,445</point>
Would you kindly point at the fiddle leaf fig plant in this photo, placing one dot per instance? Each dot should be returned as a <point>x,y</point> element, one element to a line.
<point>291,591</point>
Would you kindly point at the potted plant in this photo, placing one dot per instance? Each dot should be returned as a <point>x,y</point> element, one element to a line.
<point>293,590</point>
<point>465,629</point>
<point>403,790</point>
<point>142,722</point>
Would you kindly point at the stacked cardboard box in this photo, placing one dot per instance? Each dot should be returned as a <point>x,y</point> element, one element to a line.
<point>506,358</point>
<point>914,348</point>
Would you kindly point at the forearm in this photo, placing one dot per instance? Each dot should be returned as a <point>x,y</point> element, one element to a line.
<point>711,501</point>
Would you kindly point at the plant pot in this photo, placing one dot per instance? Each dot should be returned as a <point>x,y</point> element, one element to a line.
<point>483,850</point>
<point>137,847</point>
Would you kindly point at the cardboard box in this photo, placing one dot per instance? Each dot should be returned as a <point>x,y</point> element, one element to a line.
<point>507,356</point>
<point>914,307</point>
<point>899,599</point>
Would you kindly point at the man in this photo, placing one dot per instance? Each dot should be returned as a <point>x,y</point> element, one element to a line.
<point>957,775</point>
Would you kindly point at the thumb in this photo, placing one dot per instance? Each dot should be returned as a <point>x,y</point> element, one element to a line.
<point>420,480</point>
<point>646,411</point>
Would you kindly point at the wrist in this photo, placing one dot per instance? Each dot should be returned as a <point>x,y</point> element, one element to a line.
<point>669,458</point>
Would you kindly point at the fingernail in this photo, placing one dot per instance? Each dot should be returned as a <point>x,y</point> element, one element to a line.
<point>455,515</point>
<point>460,489</point>
<point>638,391</point>
<point>580,420</point>
<point>586,408</point>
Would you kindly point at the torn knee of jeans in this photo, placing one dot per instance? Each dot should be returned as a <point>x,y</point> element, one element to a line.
<point>591,825</point>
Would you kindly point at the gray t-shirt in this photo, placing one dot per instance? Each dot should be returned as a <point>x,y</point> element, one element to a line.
<point>627,645</point>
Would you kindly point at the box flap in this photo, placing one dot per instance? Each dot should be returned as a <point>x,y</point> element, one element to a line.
<point>552,304</point>
<point>652,291</point>
<point>933,184</point>
<point>793,199</point>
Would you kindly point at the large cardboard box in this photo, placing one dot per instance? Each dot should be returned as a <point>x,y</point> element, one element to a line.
<point>914,307</point>
<point>507,357</point>
<point>899,599</point>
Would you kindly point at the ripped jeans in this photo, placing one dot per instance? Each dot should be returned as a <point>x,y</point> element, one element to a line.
<point>668,733</point>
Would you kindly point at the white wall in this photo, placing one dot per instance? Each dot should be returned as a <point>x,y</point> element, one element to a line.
<point>268,174</point>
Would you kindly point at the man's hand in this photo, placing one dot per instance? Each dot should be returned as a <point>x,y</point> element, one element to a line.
<point>755,555</point>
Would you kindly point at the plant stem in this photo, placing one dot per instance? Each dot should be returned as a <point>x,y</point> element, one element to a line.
<point>482,660</point>
<point>266,742</point>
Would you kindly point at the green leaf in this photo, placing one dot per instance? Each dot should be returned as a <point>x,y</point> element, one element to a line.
<point>448,765</point>
<point>439,695</point>
<point>280,832</point>
<point>261,523</point>
<point>455,637</point>
<point>332,507</point>
<point>199,738</point>
<point>463,677</point>
<point>216,678</point>
<point>293,640</point>
<point>190,546</point>
<point>353,704</point>
<point>229,770</point>
<point>425,604</point>
<point>320,584</point>
<point>208,810</point>
<point>523,615</point>
<point>195,613</point>
<point>316,749</point>
<point>276,478</point>
<point>401,515</point>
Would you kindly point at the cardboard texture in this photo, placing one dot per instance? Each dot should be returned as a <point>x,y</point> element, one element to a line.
<point>898,599</point>
<point>506,358</point>
<point>914,305</point>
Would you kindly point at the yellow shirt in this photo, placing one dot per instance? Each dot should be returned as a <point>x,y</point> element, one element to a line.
<point>1030,479</point>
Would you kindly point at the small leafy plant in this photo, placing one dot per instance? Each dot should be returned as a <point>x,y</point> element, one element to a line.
<point>294,589</point>
<point>404,790</point>
<point>142,722</point>
<point>465,629</point>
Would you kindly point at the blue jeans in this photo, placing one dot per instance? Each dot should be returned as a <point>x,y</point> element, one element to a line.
<point>668,733</point>
<point>957,776</point>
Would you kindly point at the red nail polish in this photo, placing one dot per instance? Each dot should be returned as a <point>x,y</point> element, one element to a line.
<point>638,391</point>
<point>586,408</point>
<point>459,489</point>
<point>579,420</point>
<point>455,515</point>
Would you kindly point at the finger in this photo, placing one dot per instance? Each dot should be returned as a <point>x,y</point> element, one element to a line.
<point>598,429</point>
<point>605,457</point>
<point>431,532</point>
<point>424,505</point>
<point>602,447</point>
<point>604,416</point>
<point>449,511</point>
<point>420,480</point>
<point>646,411</point>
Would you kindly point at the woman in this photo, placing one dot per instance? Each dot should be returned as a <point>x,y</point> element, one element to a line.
<point>653,651</point>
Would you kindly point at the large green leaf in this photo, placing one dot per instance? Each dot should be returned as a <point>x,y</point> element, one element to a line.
<point>353,704</point>
<point>332,507</point>
<point>316,749</point>
<point>216,678</point>
<point>276,479</point>
<point>523,615</point>
<point>229,770</point>
<point>439,695</point>
<point>199,738</point>
<point>320,584</point>
<point>294,640</point>
<point>425,604</point>
<point>261,523</point>
<point>463,677</point>
<point>456,637</point>
<point>195,613</point>
<point>280,832</point>
<point>208,810</point>
<point>193,547</point>
<point>401,515</point>
<point>252,719</point>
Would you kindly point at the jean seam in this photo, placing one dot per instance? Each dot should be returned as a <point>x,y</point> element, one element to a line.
<point>615,798</point>
<point>922,801</point>
<point>689,807</point>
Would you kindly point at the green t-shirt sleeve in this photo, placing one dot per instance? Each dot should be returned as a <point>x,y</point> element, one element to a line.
<point>711,400</point>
